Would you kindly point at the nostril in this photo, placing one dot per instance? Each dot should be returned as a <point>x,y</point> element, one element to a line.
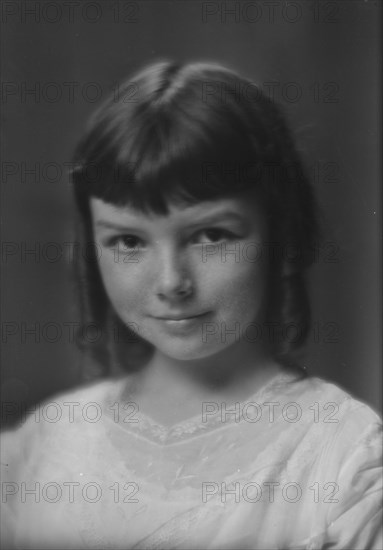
<point>182,288</point>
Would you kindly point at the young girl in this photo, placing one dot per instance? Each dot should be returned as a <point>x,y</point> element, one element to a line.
<point>203,224</point>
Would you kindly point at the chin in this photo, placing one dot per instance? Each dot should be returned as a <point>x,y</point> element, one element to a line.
<point>188,351</point>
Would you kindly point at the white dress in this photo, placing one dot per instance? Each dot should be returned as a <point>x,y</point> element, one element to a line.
<point>296,466</point>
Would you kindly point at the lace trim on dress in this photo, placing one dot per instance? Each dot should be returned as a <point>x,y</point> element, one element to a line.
<point>197,425</point>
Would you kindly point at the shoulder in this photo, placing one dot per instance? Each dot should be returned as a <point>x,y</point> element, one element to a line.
<point>64,419</point>
<point>72,406</point>
<point>348,430</point>
<point>316,391</point>
<point>97,392</point>
<point>337,424</point>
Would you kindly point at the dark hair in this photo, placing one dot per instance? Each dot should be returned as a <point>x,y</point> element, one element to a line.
<point>189,133</point>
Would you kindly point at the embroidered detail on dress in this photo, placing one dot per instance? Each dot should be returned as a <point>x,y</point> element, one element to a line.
<point>195,426</point>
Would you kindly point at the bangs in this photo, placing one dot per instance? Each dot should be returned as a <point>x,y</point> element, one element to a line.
<point>153,153</point>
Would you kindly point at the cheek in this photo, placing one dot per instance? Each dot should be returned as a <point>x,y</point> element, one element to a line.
<point>124,285</point>
<point>237,285</point>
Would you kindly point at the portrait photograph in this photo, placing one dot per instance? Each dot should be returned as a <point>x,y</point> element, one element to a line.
<point>191,258</point>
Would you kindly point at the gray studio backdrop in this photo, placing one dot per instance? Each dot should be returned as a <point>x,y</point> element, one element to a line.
<point>319,59</point>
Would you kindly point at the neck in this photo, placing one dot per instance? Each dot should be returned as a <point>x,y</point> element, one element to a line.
<point>236,371</point>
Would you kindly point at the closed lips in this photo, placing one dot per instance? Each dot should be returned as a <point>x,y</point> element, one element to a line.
<point>181,317</point>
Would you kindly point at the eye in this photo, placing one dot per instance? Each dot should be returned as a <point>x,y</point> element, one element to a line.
<point>127,241</point>
<point>213,235</point>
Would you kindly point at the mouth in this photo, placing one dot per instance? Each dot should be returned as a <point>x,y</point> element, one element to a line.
<point>180,317</point>
<point>184,323</point>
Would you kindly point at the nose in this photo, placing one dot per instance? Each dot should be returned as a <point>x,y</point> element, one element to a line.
<point>173,279</point>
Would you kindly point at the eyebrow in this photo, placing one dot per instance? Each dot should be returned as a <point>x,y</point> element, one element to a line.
<point>209,218</point>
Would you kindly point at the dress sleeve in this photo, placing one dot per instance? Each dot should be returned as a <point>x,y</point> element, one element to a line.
<point>355,521</point>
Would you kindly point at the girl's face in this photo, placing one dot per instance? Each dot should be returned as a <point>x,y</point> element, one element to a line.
<point>193,282</point>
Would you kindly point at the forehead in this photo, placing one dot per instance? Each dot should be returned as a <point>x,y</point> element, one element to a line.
<point>180,215</point>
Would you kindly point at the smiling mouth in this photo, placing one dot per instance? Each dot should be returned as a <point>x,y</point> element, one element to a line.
<point>182,326</point>
<point>181,318</point>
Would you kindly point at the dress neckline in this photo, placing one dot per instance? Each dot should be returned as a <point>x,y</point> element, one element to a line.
<point>144,426</point>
